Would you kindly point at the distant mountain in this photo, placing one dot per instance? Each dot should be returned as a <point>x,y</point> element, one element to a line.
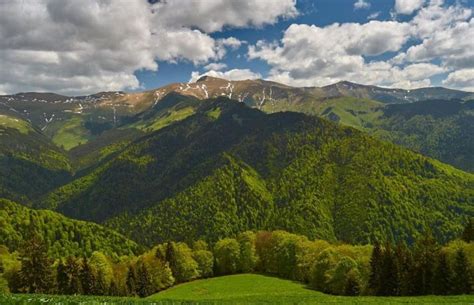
<point>91,127</point>
<point>64,236</point>
<point>228,168</point>
<point>387,95</point>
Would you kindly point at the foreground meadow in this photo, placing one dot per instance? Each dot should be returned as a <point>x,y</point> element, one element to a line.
<point>242,289</point>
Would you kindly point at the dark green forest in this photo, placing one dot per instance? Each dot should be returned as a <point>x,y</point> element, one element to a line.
<point>230,168</point>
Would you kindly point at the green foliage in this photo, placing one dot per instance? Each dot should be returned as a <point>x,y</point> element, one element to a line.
<point>36,274</point>
<point>462,274</point>
<point>280,171</point>
<point>30,164</point>
<point>468,233</point>
<point>204,258</point>
<point>248,255</point>
<point>62,235</point>
<point>227,256</point>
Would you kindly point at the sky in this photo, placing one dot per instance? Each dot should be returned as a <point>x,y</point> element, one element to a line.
<point>82,47</point>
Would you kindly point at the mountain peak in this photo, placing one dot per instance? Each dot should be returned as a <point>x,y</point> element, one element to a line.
<point>206,78</point>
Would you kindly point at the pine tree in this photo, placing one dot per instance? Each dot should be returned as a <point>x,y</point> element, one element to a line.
<point>426,252</point>
<point>101,287</point>
<point>131,281</point>
<point>389,273</point>
<point>171,258</point>
<point>144,284</point>
<point>468,233</point>
<point>87,278</point>
<point>73,270</point>
<point>462,276</point>
<point>442,275</point>
<point>404,264</point>
<point>375,268</point>
<point>62,278</point>
<point>36,274</point>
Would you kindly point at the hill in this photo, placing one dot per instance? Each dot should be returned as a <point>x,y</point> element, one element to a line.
<point>229,168</point>
<point>30,164</point>
<point>260,289</point>
<point>64,236</point>
<point>441,129</point>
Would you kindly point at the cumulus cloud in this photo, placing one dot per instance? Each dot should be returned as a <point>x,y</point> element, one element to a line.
<point>361,4</point>
<point>315,56</point>
<point>329,54</point>
<point>234,74</point>
<point>407,7</point>
<point>214,15</point>
<point>78,47</point>
<point>461,79</point>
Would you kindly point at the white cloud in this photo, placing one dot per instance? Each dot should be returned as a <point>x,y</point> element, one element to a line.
<point>214,15</point>
<point>234,74</point>
<point>461,79</point>
<point>78,47</point>
<point>231,42</point>
<point>336,52</point>
<point>374,15</point>
<point>361,4</point>
<point>215,66</point>
<point>315,56</point>
<point>407,7</point>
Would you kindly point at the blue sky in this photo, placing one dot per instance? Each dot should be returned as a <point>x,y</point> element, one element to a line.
<point>81,47</point>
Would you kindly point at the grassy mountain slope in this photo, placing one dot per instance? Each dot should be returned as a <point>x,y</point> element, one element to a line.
<point>63,235</point>
<point>229,168</point>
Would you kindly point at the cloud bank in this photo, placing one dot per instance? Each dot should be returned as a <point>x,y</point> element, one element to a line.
<point>78,47</point>
<point>308,55</point>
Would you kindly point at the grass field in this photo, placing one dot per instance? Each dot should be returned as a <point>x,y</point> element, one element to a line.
<point>244,289</point>
<point>260,289</point>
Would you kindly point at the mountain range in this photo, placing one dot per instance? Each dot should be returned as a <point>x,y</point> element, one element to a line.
<point>214,158</point>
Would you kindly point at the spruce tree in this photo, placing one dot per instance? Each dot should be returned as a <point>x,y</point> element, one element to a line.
<point>101,287</point>
<point>74,271</point>
<point>404,264</point>
<point>426,252</point>
<point>375,268</point>
<point>36,274</point>
<point>171,258</point>
<point>62,278</point>
<point>442,275</point>
<point>461,276</point>
<point>87,278</point>
<point>144,283</point>
<point>131,281</point>
<point>389,273</point>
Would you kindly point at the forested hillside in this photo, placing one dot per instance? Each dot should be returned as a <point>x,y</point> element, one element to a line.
<point>30,164</point>
<point>63,236</point>
<point>229,168</point>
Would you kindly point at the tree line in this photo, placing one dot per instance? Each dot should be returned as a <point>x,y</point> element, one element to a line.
<point>382,269</point>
